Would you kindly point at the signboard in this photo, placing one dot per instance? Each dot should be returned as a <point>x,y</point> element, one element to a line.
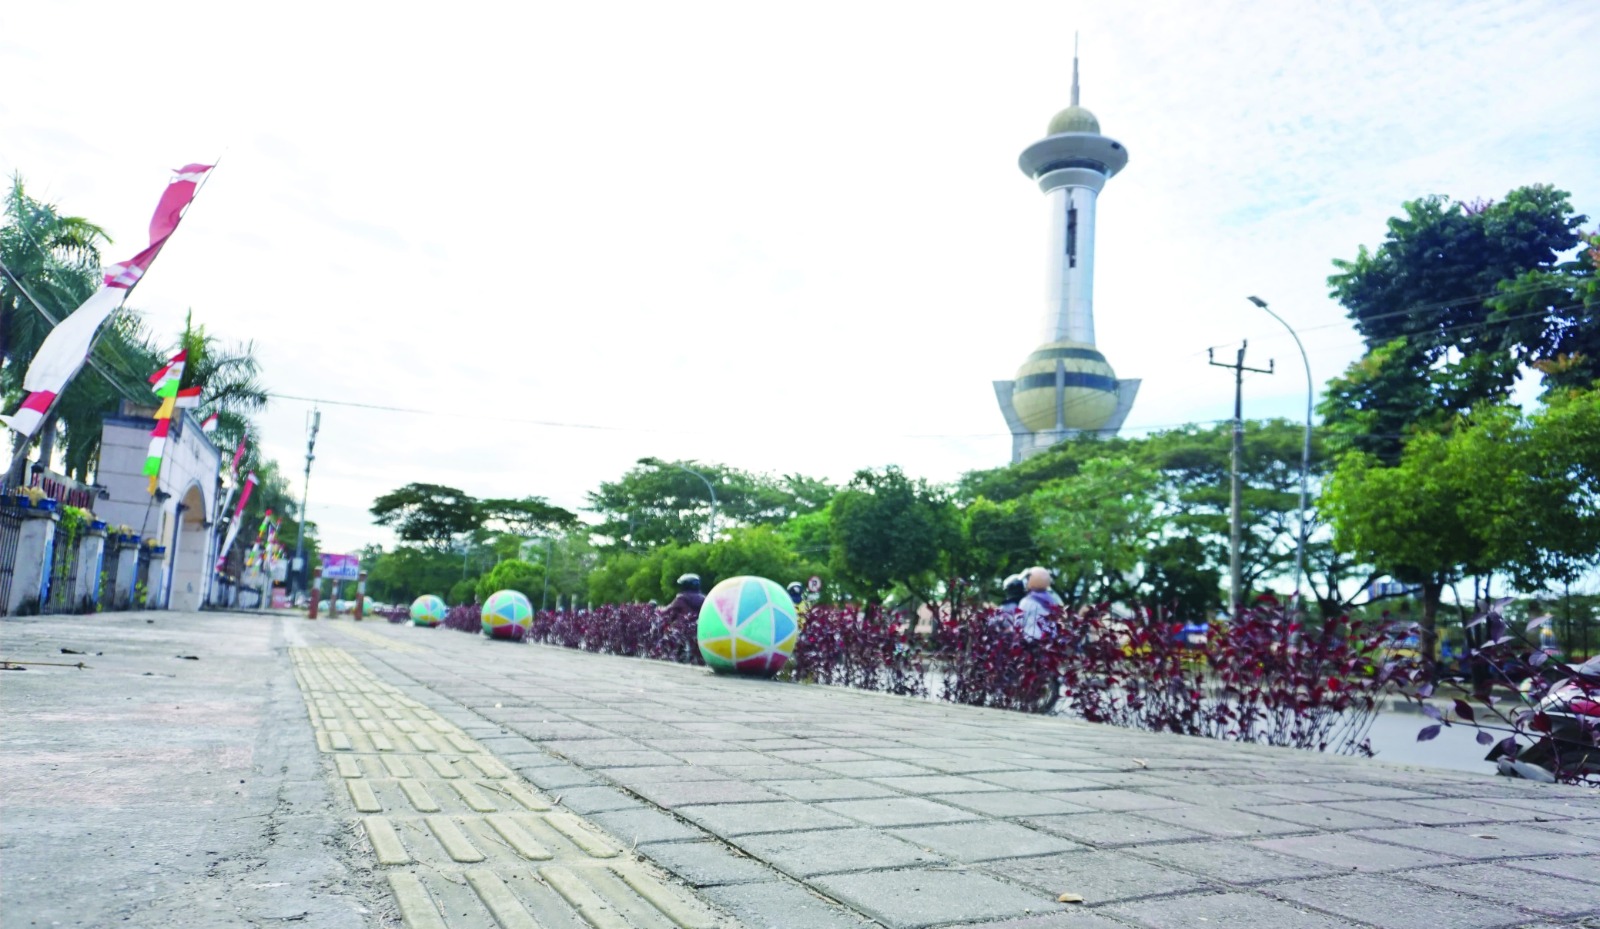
<point>815,584</point>
<point>341,567</point>
<point>280,598</point>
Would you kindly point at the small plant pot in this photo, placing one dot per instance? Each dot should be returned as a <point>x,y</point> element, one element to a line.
<point>98,525</point>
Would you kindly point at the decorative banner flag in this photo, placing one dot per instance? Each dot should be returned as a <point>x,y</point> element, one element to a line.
<point>209,424</point>
<point>238,514</point>
<point>158,444</point>
<point>238,455</point>
<point>188,399</point>
<point>64,350</point>
<point>166,383</point>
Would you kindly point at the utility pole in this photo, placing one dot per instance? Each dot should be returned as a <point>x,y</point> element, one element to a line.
<point>305,494</point>
<point>1235,529</point>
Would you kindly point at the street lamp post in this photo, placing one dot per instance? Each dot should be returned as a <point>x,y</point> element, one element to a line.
<point>1305,453</point>
<point>658,463</point>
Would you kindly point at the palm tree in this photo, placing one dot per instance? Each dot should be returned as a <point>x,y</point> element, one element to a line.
<point>52,264</point>
<point>229,378</point>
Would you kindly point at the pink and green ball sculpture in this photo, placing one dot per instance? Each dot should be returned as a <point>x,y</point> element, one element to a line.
<point>747,625</point>
<point>507,614</point>
<point>427,610</point>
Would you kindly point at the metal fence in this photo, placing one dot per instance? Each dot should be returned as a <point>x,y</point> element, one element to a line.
<point>62,594</point>
<point>10,535</point>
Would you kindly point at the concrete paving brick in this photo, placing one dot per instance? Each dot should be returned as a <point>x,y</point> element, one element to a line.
<point>672,794</point>
<point>1076,918</point>
<point>1351,852</point>
<point>1220,821</point>
<point>985,841</point>
<point>877,767</point>
<point>1321,817</point>
<point>1225,909</point>
<point>559,777</point>
<point>673,773</point>
<point>633,827</point>
<point>1011,804</point>
<point>913,899</point>
<point>1032,779</point>
<point>1377,791</point>
<point>783,771</point>
<point>782,905</point>
<point>1414,814</point>
<point>935,784</point>
<point>748,818</point>
<point>833,851</point>
<point>1570,868</point>
<point>706,863</point>
<point>1111,829</point>
<point>1302,793</point>
<point>585,800</point>
<point>1112,800</point>
<point>813,754</point>
<point>829,788</point>
<point>1390,904</point>
<point>1554,807</point>
<point>1550,894</point>
<point>1232,862</point>
<point>1097,875</point>
<point>951,764</point>
<point>732,757</point>
<point>1483,843</point>
<point>1554,838</point>
<point>898,811</point>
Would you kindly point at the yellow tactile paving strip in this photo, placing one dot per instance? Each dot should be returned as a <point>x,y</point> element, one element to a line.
<point>465,842</point>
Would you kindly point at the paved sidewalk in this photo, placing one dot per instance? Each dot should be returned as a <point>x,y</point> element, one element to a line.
<point>812,808</point>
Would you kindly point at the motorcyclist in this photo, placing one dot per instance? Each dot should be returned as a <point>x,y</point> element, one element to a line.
<point>797,593</point>
<point>1015,590</point>
<point>1035,612</point>
<point>686,605</point>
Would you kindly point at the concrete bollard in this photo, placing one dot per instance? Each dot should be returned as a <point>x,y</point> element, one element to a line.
<point>314,591</point>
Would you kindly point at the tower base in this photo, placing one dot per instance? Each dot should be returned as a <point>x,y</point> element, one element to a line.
<point>1026,443</point>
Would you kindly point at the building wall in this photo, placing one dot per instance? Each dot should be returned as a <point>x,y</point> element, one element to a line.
<point>189,474</point>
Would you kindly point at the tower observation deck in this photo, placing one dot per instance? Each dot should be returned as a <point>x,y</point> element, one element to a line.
<point>1066,387</point>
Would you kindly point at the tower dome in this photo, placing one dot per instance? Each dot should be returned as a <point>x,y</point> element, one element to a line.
<point>1087,387</point>
<point>1074,119</point>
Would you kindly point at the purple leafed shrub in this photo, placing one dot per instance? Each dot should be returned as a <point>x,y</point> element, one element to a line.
<point>846,647</point>
<point>468,617</point>
<point>1259,678</point>
<point>637,630</point>
<point>1539,717</point>
<point>394,614</point>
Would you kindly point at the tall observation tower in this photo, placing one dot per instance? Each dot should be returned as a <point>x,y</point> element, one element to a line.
<point>1066,387</point>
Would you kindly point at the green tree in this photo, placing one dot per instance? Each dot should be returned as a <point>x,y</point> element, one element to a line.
<point>1180,580</point>
<point>431,514</point>
<point>997,540</point>
<point>409,571</point>
<point>887,529</point>
<point>527,517</point>
<point>658,502</point>
<point>521,576</point>
<point>229,377</point>
<point>1551,318</point>
<point>1093,528</point>
<point>1427,298</point>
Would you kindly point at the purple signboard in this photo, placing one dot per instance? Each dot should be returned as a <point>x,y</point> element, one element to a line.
<point>341,567</point>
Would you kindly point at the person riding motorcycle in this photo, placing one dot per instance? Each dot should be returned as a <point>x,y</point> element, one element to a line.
<point>797,593</point>
<point>1034,616</point>
<point>686,605</point>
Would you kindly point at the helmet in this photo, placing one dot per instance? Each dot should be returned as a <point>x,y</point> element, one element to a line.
<point>795,587</point>
<point>1037,578</point>
<point>1014,586</point>
<point>689,582</point>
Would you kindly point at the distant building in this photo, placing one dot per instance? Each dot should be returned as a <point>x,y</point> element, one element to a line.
<point>1066,387</point>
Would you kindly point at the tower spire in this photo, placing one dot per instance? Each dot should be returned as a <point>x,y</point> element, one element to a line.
<point>1074,68</point>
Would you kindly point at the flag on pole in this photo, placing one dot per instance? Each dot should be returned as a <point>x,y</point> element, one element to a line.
<point>166,383</point>
<point>238,455</point>
<point>158,445</point>
<point>238,514</point>
<point>209,424</point>
<point>67,346</point>
<point>188,399</point>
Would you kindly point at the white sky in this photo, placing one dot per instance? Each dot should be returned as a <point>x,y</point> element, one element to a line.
<point>786,238</point>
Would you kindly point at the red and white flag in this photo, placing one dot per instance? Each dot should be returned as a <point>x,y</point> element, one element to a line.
<point>188,398</point>
<point>209,424</point>
<point>67,346</point>
<point>238,514</point>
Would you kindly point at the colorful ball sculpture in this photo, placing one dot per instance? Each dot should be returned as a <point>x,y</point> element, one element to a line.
<point>507,615</point>
<point>747,624</point>
<point>427,610</point>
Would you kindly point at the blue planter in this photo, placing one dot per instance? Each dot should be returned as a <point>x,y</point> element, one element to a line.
<point>98,525</point>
